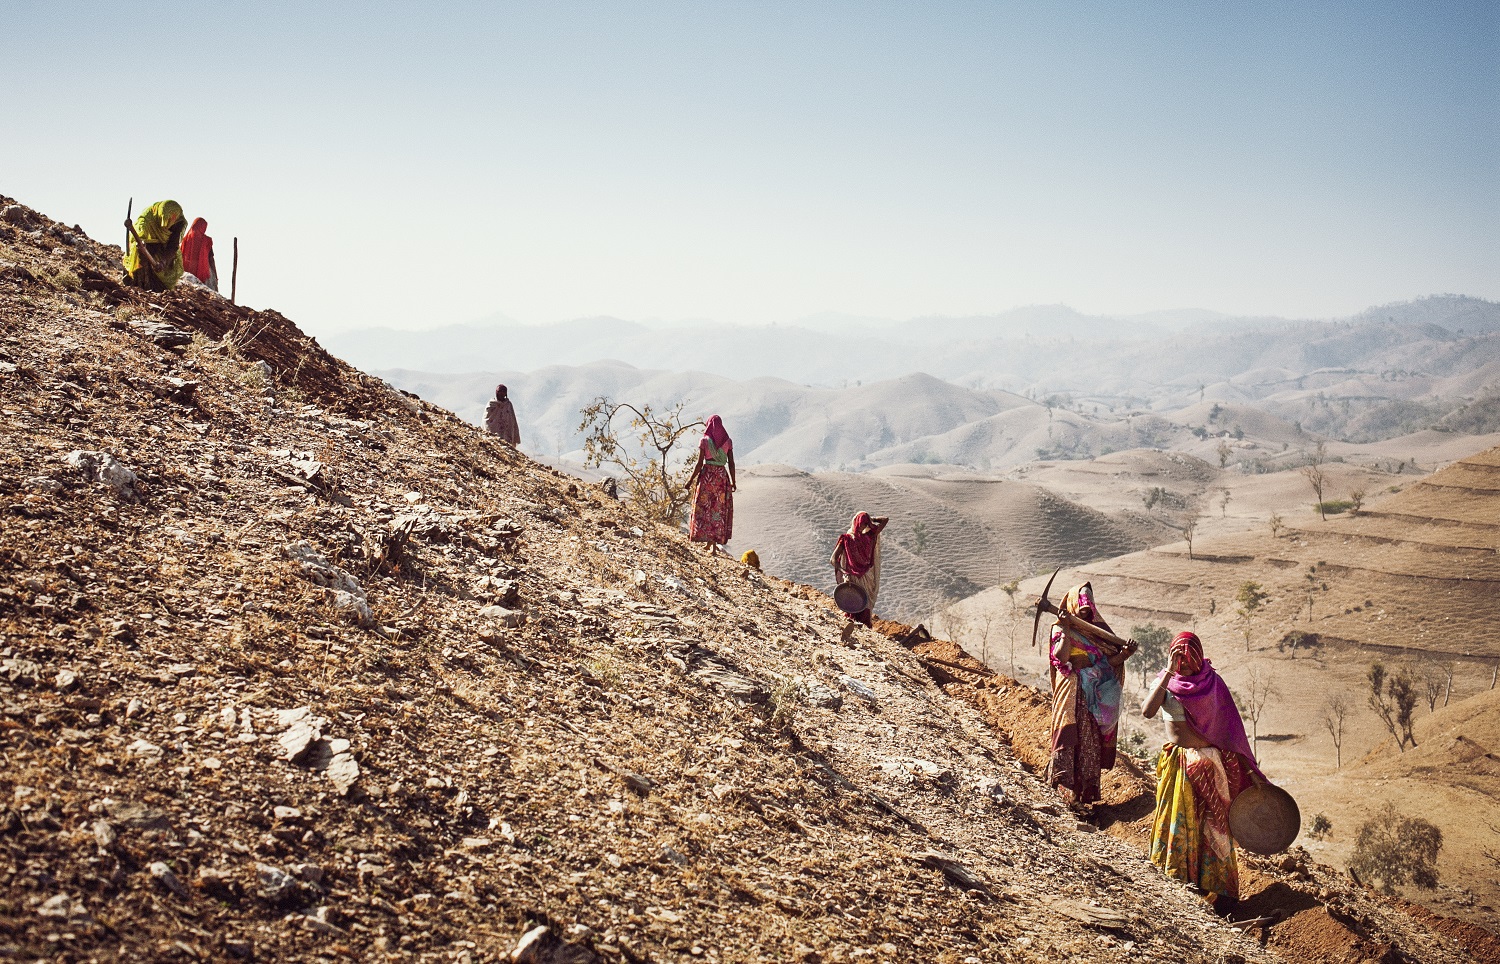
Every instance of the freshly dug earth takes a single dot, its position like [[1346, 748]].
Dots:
[[296, 667], [1314, 912]]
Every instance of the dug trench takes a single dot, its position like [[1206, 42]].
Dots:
[[297, 667], [1308, 911]]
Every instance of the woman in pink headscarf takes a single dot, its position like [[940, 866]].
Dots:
[[1206, 762], [712, 517], [856, 559]]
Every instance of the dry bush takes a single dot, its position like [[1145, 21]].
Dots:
[[1397, 850]]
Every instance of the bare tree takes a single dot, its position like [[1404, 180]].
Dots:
[[1276, 524], [657, 483], [955, 623], [1315, 476], [1224, 452], [985, 620], [1259, 692], [1190, 529], [1357, 500], [1335, 709], [1224, 504], [1010, 589], [1433, 681]]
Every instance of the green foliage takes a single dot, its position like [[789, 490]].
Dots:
[[919, 537], [1335, 506], [1393, 697], [1397, 850], [1155, 644], [1251, 597]]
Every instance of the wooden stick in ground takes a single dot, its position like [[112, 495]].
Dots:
[[129, 207], [234, 272], [140, 247]]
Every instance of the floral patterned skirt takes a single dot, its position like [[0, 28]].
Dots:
[[712, 518], [1190, 838]]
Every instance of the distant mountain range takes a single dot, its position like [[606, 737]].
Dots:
[[1131, 360], [1272, 388]]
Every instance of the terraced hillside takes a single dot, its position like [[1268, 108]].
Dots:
[[952, 532], [1412, 581]]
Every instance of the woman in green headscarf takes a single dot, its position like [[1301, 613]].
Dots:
[[160, 228]]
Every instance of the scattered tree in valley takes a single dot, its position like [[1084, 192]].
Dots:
[[1276, 524], [1394, 700], [1010, 589], [1224, 498], [919, 537], [1312, 585], [1224, 452], [1434, 678], [657, 483], [1155, 644], [1251, 597], [1190, 529], [1259, 691], [1357, 500], [1335, 710], [1396, 850], [1313, 472]]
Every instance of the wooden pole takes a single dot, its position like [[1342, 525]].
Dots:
[[130, 206], [234, 272]]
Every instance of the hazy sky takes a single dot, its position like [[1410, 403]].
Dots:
[[418, 164]]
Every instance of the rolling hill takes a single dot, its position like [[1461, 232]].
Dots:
[[1412, 581]]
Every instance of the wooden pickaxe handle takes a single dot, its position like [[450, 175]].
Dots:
[[1106, 639], [140, 247]]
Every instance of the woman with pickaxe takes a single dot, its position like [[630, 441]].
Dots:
[[154, 259]]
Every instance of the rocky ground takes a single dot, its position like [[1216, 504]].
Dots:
[[296, 667]]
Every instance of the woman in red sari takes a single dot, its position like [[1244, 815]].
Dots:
[[198, 254], [856, 559], [712, 516]]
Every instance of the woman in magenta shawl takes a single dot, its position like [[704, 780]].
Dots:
[[712, 516], [1206, 762], [856, 559]]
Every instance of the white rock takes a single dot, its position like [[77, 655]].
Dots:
[[298, 738], [63, 907], [167, 879], [342, 771], [146, 752], [857, 688], [529, 947], [103, 467], [509, 618]]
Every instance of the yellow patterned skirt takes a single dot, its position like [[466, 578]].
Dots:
[[1190, 838]]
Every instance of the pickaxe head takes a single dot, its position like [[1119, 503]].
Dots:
[[1043, 605]]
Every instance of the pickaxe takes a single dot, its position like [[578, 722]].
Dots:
[[140, 247], [1107, 641]]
